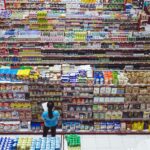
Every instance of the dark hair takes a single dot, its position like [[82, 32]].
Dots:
[[50, 106]]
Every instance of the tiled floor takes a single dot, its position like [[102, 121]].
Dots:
[[113, 142]]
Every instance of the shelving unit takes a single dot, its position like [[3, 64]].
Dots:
[[74, 42], [75, 100]]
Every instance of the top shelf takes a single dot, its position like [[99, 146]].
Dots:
[[60, 3], [103, 41], [63, 3]]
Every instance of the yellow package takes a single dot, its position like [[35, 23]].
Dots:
[[26, 72], [23, 73], [35, 77], [19, 73], [149, 127], [135, 126], [140, 126], [28, 105], [22, 105], [18, 105], [12, 105]]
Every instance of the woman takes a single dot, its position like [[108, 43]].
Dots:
[[50, 118]]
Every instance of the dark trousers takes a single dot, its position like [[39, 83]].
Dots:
[[46, 129]]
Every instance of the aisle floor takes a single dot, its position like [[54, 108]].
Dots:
[[115, 142], [109, 142]]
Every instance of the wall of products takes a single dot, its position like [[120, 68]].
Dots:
[[90, 98], [91, 57]]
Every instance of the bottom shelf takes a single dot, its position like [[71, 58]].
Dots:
[[79, 132]]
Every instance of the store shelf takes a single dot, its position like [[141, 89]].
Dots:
[[77, 119], [11, 119], [75, 56], [107, 132], [73, 104], [76, 91], [102, 22], [44, 95], [76, 84], [123, 119], [13, 92], [45, 90], [112, 95], [126, 102], [88, 97], [13, 100], [79, 132], [35, 8], [123, 50], [120, 95], [42, 101], [15, 109], [31, 83], [124, 110], [97, 41], [98, 120], [146, 63], [79, 111], [97, 49], [122, 85]]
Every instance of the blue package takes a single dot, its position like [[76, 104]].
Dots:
[[65, 80], [103, 125], [101, 77], [97, 77], [110, 125], [117, 125], [72, 76], [73, 80], [77, 126], [14, 75], [6, 74], [2, 75], [82, 73], [96, 74], [64, 126]]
